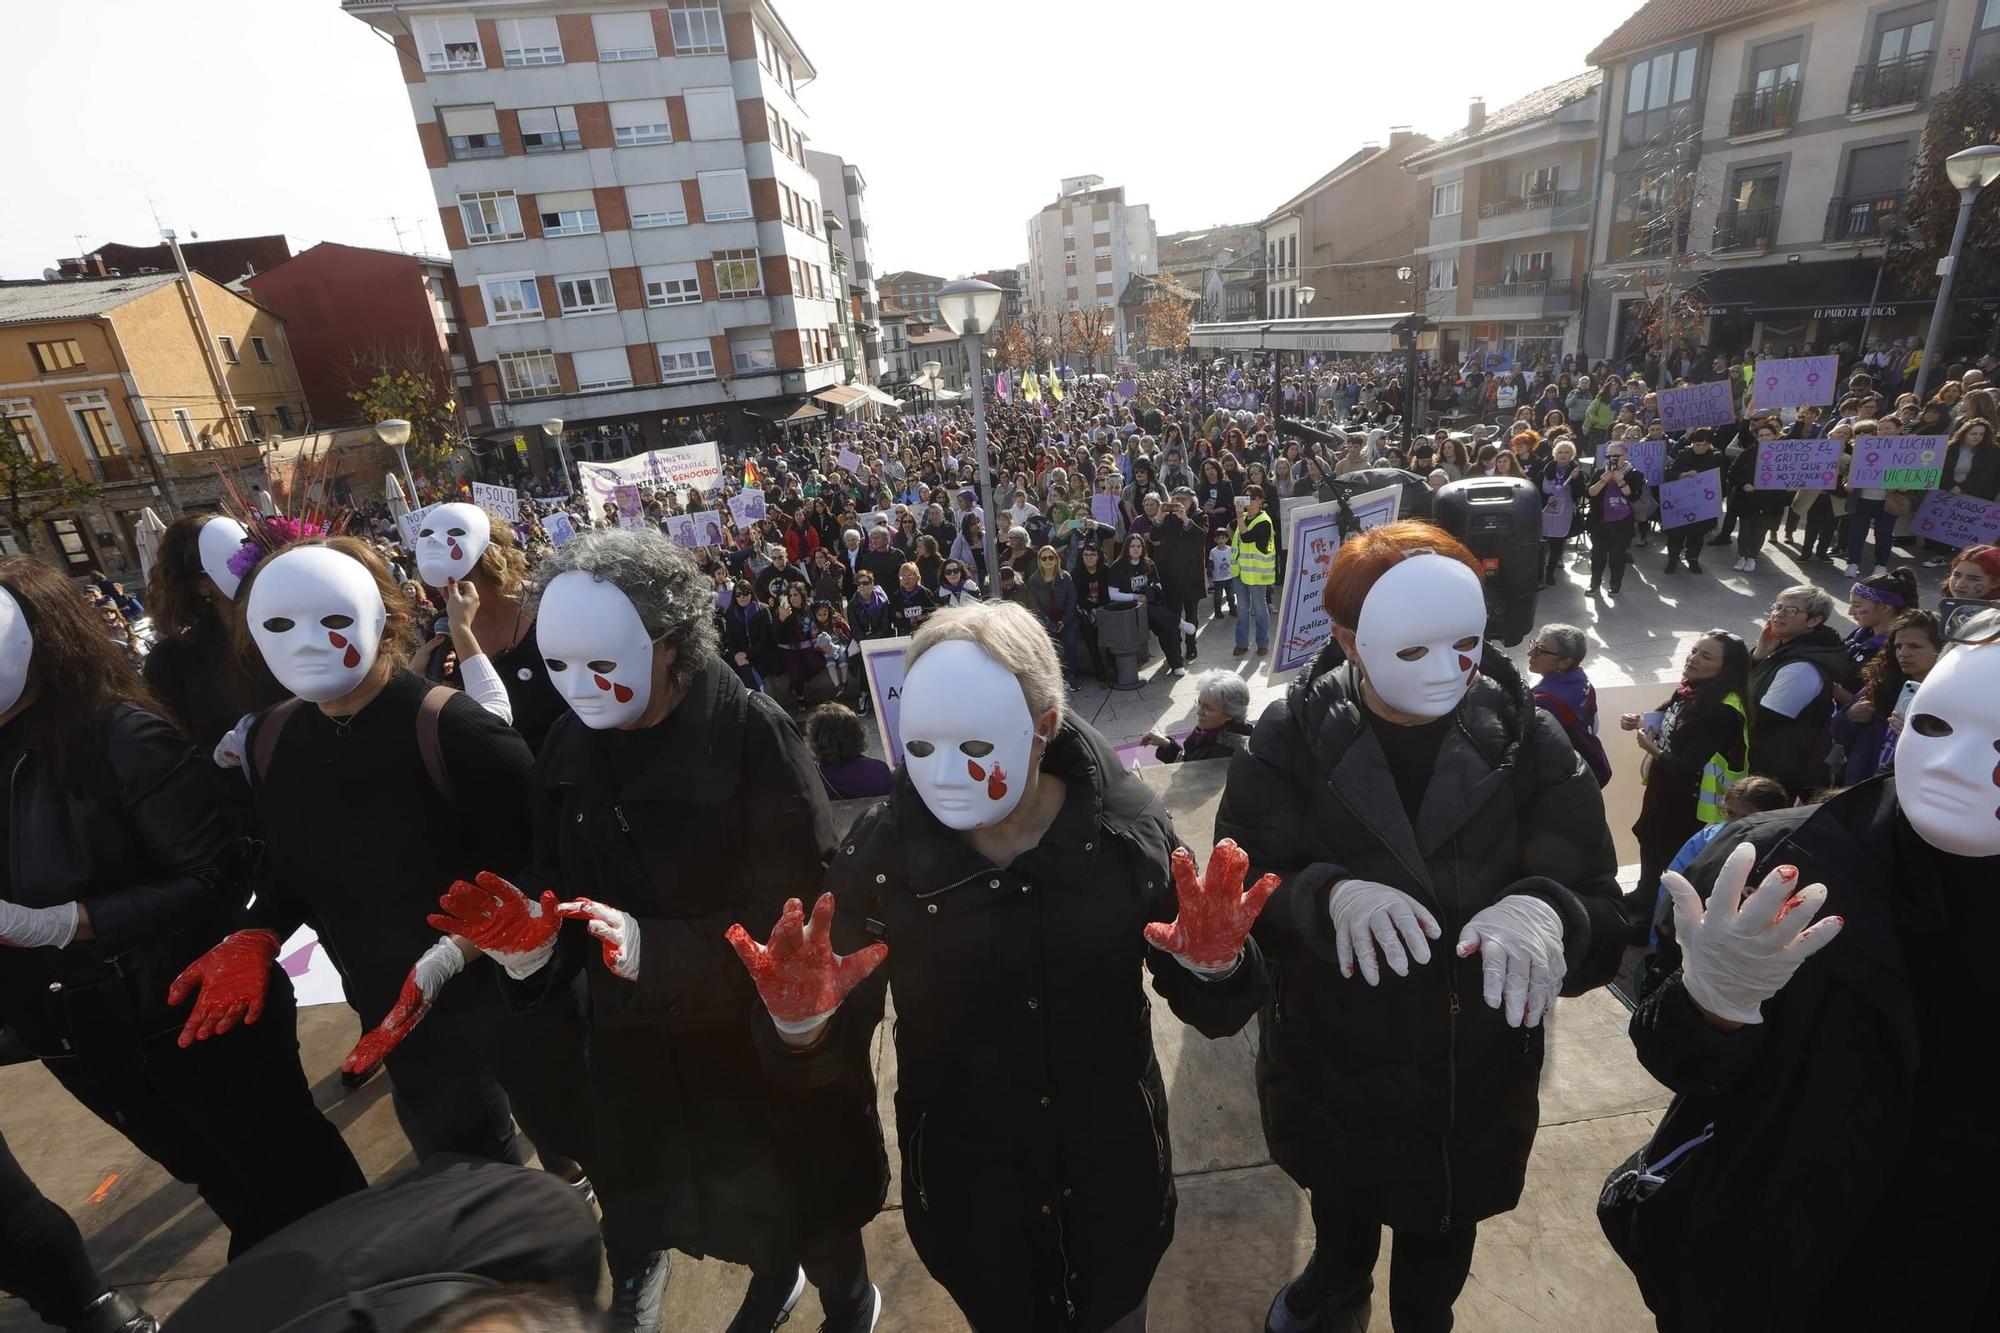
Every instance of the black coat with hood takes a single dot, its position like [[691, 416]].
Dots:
[[1412, 1098]]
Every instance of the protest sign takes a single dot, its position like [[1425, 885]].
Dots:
[[1312, 535], [1696, 405], [1899, 463], [502, 500], [847, 461], [883, 660], [696, 465], [1798, 465], [747, 507], [1650, 457], [681, 531], [559, 528], [1958, 520], [708, 529], [1798, 381], [631, 510], [409, 523], [1104, 508], [1691, 500]]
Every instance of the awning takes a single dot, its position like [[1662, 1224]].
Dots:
[[779, 415], [1828, 289], [1346, 333], [875, 395], [842, 396]]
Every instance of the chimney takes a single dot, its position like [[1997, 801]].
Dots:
[[1400, 135], [1475, 116]]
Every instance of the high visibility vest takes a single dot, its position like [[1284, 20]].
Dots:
[[1716, 775], [1253, 566]]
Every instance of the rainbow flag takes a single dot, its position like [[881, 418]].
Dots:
[[752, 479]]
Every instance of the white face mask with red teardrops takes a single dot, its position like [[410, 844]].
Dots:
[[317, 618], [597, 650]]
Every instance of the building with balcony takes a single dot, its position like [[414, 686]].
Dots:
[[1085, 246], [916, 293], [1769, 144], [111, 380], [1347, 233], [630, 209], [843, 191], [1502, 267]]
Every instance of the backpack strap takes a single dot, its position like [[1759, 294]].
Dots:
[[264, 738], [428, 743]]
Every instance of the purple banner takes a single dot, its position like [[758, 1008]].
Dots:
[[1104, 508], [1650, 457], [1696, 405], [1691, 500], [1898, 463], [1798, 465], [1958, 520], [1797, 381]]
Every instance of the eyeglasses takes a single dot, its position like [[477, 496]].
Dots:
[[1534, 648], [1785, 609]]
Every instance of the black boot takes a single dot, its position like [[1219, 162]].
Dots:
[[637, 1296], [1306, 1305], [114, 1312]]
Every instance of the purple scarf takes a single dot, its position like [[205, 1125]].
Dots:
[[1574, 689]]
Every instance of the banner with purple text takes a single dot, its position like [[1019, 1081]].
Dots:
[[1691, 500], [1899, 463], [1957, 520], [1696, 405], [1798, 465]]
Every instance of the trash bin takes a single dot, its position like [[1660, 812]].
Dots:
[[1121, 636], [1500, 521]]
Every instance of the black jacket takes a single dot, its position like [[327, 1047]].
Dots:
[[1037, 1169], [1793, 749], [1180, 548], [1413, 1097], [1685, 462], [1633, 484], [756, 638], [142, 844], [886, 564], [1984, 478]]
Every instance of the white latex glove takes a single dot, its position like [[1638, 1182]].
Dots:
[[1737, 953], [1520, 945], [439, 964], [37, 927], [615, 930], [1367, 915], [230, 749]]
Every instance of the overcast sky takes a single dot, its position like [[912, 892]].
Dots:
[[236, 117]]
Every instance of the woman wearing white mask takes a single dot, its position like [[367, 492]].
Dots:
[[673, 804], [1446, 873], [192, 597]]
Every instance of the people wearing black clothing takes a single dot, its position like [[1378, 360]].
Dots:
[[1180, 547], [911, 603], [869, 614], [1216, 496], [1561, 481], [1754, 507], [1135, 578], [1092, 578], [882, 559], [43, 1262], [1794, 667], [487, 616], [1609, 493], [1697, 456], [749, 638]]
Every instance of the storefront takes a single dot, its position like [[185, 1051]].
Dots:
[[1772, 308]]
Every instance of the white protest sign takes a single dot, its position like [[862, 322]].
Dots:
[[502, 500], [409, 523], [1313, 536], [883, 660], [559, 528]]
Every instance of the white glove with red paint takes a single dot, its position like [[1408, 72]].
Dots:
[[1737, 953], [617, 931], [1214, 913], [798, 975]]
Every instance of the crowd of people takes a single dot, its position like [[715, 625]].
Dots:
[[602, 896]]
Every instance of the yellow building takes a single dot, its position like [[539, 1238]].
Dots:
[[112, 380]]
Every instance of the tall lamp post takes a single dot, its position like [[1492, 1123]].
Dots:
[[971, 308], [553, 428], [1409, 275], [395, 432], [1971, 170]]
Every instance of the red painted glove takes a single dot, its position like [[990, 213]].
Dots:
[[796, 973], [439, 964], [501, 922], [232, 978], [1215, 913], [617, 931]]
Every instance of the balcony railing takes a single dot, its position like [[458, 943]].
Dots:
[[1529, 203], [1765, 109], [1746, 228], [1899, 82], [1862, 217], [1524, 287]]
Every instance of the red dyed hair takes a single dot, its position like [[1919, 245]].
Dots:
[[1367, 556], [1986, 557]]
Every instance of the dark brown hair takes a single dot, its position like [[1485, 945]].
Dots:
[[76, 674], [177, 593], [833, 734]]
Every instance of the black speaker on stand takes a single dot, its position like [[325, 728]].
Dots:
[[1500, 521]]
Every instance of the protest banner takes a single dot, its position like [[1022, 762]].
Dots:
[[502, 500], [696, 465], [1957, 520], [1650, 457], [1691, 499], [1104, 508], [1696, 405], [747, 507], [1898, 463], [1798, 465], [559, 528], [681, 531], [407, 525], [1312, 535], [1798, 381], [883, 660], [847, 461]]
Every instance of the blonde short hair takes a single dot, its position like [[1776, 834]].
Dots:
[[1009, 634]]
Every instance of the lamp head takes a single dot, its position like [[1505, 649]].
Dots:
[[969, 306], [395, 432], [552, 427], [1974, 168], [1405, 273], [1306, 295]]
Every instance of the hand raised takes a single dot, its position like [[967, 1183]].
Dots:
[[500, 921], [617, 931], [1214, 913], [796, 973], [231, 980], [1736, 954]]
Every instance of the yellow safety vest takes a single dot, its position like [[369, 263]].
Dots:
[[1716, 775], [1256, 568]]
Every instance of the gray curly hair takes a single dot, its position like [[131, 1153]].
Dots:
[[674, 599]]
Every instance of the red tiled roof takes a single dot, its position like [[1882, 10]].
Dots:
[[1663, 20]]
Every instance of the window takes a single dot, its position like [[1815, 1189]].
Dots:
[[624, 36], [228, 346], [738, 273], [253, 425], [1905, 34], [602, 368], [549, 129], [585, 294], [262, 349], [529, 374], [1986, 42], [750, 355], [451, 43], [1539, 181], [656, 205], [490, 215], [567, 213], [511, 297], [1101, 227], [1749, 211], [184, 424], [284, 417], [529, 42], [685, 361], [1530, 266], [634, 123], [1069, 233], [698, 31], [90, 413], [1444, 274], [61, 354], [671, 284], [1902, 55], [725, 195], [1447, 199], [1659, 95], [1639, 216], [24, 426], [1776, 63], [471, 132], [712, 113]]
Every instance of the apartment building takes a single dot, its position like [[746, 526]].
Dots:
[[843, 191], [630, 211], [913, 292], [1502, 269], [1347, 233], [1086, 246], [1797, 123], [112, 380]]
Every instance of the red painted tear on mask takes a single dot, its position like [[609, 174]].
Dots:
[[622, 693], [996, 786], [456, 554], [349, 659], [977, 773]]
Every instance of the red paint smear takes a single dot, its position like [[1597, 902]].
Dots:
[[978, 773], [103, 1191], [456, 554], [996, 786], [349, 659]]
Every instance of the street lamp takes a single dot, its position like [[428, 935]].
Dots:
[[1970, 170], [932, 369], [1405, 273], [553, 428], [971, 307], [395, 432]]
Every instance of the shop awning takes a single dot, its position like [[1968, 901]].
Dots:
[[1827, 289], [840, 397], [781, 415], [876, 396], [1345, 333]]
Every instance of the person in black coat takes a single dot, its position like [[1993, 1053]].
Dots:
[[1755, 508], [1180, 548], [1136, 579], [749, 638], [1383, 806], [1609, 493], [881, 558], [43, 1262], [1794, 666], [1693, 459]]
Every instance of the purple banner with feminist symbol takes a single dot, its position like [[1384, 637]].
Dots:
[[1958, 520], [1899, 463], [1650, 457], [1798, 381], [1691, 500], [1696, 405], [1798, 465]]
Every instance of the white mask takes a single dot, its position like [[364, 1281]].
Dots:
[[17, 647], [598, 652], [967, 735], [1419, 634], [450, 540], [318, 618], [220, 538], [1948, 759]]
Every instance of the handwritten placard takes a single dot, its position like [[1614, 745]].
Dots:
[[1690, 500], [502, 500], [1798, 381], [410, 522], [1798, 465], [1650, 457], [847, 461], [1312, 535], [1696, 405], [1104, 508], [1958, 520], [1901, 463]]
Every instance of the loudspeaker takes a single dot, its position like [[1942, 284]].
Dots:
[[1500, 521]]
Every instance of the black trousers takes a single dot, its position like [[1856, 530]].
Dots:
[[232, 1116], [1166, 624], [1610, 547], [1686, 541], [837, 1266], [1821, 524], [1427, 1269], [1552, 557], [42, 1259], [1185, 604], [1753, 529]]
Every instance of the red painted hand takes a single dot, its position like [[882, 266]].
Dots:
[[797, 973], [411, 1006], [232, 978], [500, 921], [1215, 913]]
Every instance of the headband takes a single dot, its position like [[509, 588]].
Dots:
[[1862, 592]]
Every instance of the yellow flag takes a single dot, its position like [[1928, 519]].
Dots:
[[1055, 384], [1031, 386]]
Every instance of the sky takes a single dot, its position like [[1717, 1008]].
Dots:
[[239, 117]]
